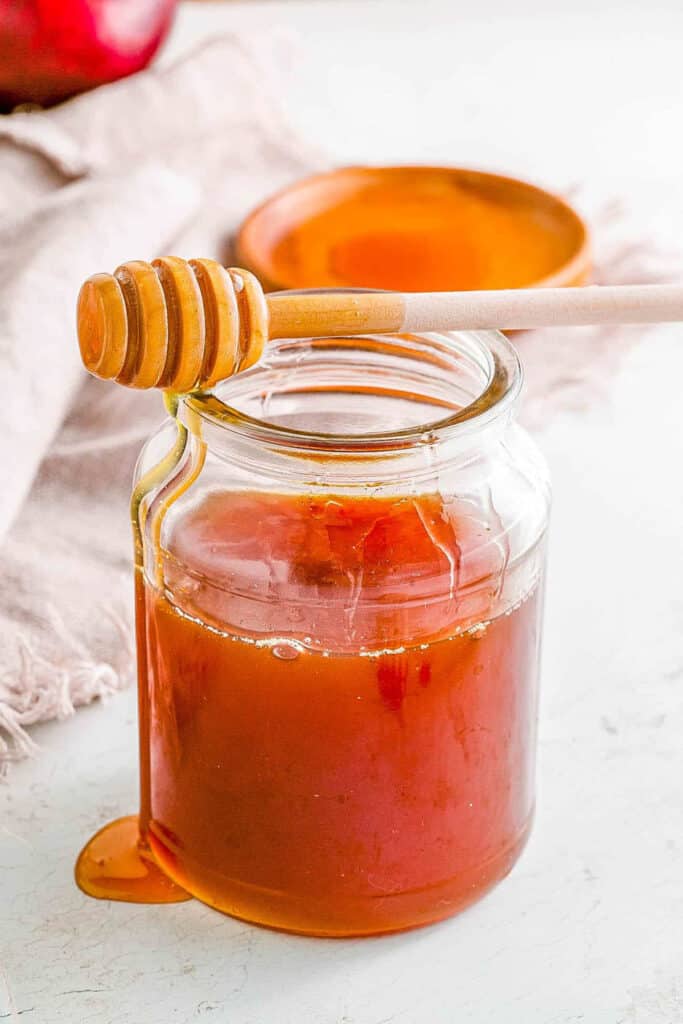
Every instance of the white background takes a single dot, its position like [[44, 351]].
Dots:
[[589, 927]]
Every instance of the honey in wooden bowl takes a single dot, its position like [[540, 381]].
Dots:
[[414, 229]]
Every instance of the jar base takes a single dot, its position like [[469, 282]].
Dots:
[[347, 917]]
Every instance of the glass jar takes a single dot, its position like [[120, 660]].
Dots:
[[341, 556]]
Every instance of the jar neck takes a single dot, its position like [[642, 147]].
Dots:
[[362, 411]]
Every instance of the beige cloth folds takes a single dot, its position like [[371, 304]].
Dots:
[[115, 174]]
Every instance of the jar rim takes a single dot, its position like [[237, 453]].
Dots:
[[497, 399]]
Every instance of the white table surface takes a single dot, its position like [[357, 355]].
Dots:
[[589, 926]]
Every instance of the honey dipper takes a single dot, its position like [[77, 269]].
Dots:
[[183, 325]]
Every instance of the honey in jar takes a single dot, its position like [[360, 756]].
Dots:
[[339, 599]]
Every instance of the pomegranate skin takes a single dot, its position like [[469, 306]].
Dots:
[[52, 49]]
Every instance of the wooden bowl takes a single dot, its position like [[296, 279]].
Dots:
[[414, 229]]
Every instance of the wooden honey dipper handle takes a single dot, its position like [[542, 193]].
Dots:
[[183, 325], [334, 314]]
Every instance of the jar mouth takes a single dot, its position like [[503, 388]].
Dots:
[[424, 388]]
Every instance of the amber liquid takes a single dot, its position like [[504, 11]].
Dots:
[[418, 231], [334, 740]]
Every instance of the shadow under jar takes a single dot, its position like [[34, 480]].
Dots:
[[339, 604]]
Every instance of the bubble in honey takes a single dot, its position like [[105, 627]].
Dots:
[[285, 651]]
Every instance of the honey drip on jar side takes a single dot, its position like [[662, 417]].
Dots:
[[117, 862]]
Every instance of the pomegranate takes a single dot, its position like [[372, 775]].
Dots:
[[53, 49]]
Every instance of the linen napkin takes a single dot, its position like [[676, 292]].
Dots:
[[115, 174]]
